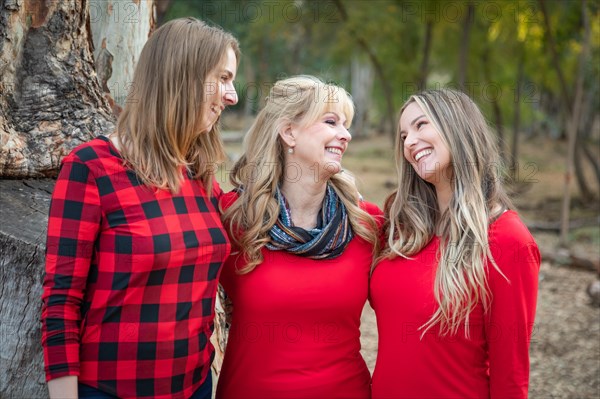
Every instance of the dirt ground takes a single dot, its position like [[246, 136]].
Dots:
[[565, 347]]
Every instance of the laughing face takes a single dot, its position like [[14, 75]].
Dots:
[[320, 146], [424, 148], [219, 91]]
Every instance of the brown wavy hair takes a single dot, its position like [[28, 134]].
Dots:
[[157, 130]]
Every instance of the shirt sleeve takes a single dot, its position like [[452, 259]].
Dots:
[[510, 320], [73, 225]]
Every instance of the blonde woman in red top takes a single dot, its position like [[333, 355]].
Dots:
[[303, 242], [455, 293]]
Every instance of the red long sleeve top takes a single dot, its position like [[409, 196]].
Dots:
[[295, 326], [130, 283], [494, 361]]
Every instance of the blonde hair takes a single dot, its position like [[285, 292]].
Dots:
[[478, 197], [300, 100], [158, 128]]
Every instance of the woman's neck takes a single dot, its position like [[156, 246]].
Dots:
[[305, 202]]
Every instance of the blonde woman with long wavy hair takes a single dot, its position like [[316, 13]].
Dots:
[[135, 241], [303, 245], [455, 289]]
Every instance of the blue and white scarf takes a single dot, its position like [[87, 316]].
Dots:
[[326, 241]]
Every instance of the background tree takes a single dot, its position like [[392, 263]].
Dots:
[[49, 104]]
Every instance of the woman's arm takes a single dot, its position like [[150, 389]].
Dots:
[[73, 224], [510, 320]]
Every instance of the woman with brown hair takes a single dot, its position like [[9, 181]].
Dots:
[[135, 242]]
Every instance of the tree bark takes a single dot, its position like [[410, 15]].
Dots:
[[514, 155], [551, 45], [51, 100], [362, 86], [578, 158], [583, 149], [119, 27], [487, 70], [424, 70], [464, 46], [23, 210], [573, 128]]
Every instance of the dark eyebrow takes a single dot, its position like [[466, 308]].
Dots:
[[228, 73], [413, 122]]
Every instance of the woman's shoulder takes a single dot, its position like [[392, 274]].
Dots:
[[371, 208], [509, 228], [509, 236], [228, 199], [92, 150]]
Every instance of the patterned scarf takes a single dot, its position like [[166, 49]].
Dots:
[[326, 241]]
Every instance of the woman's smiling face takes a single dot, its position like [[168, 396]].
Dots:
[[424, 147]]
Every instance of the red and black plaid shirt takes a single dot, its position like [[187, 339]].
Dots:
[[131, 276]]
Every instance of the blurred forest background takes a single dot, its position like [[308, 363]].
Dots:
[[532, 65]]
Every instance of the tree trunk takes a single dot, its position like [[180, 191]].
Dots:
[[362, 86], [487, 70], [23, 210], [551, 45], [119, 27], [578, 159], [424, 71], [252, 91], [589, 154], [514, 155], [583, 149], [573, 127], [51, 100], [464, 46]]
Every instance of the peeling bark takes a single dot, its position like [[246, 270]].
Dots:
[[51, 100], [120, 29]]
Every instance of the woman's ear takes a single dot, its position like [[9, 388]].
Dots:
[[286, 132]]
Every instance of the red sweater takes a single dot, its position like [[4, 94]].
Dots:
[[494, 361], [295, 328], [131, 276]]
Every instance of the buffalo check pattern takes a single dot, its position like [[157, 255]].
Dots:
[[131, 276]]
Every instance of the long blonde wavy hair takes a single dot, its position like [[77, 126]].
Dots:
[[413, 216], [158, 128], [300, 100]]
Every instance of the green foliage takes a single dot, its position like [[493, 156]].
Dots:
[[285, 37]]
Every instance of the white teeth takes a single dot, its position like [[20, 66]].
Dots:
[[421, 154], [334, 150]]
